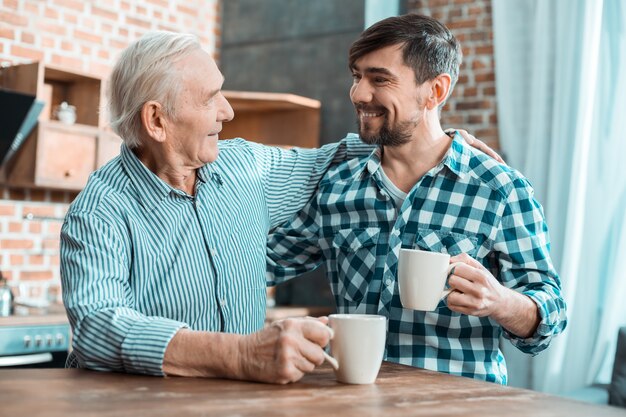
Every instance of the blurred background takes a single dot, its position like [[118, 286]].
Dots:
[[543, 82]]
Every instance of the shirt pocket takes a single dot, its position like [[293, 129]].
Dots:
[[448, 242], [356, 260]]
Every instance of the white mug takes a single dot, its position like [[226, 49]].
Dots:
[[422, 276], [357, 346]]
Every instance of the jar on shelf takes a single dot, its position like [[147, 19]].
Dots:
[[65, 113]]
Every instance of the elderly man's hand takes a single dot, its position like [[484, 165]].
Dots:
[[285, 351], [476, 143]]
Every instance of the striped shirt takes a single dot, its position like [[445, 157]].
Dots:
[[469, 204], [140, 259]]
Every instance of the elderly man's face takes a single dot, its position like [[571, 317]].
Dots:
[[200, 111], [387, 99]]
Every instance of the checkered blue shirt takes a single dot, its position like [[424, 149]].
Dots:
[[466, 204]]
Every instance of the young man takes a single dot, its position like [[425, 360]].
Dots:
[[424, 189]]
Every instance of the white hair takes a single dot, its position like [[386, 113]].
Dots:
[[145, 71]]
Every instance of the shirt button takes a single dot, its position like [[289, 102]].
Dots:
[[222, 302], [388, 282], [213, 252]]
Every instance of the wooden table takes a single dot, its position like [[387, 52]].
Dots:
[[399, 391]]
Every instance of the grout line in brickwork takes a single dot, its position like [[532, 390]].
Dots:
[[31, 216]]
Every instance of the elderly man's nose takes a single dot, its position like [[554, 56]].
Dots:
[[226, 112]]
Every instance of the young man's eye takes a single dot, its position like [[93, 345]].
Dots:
[[356, 77], [380, 80]]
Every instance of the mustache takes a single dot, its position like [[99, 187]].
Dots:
[[369, 108]]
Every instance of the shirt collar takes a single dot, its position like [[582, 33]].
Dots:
[[210, 172], [457, 160], [151, 189]]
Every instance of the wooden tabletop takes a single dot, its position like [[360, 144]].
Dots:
[[399, 391]]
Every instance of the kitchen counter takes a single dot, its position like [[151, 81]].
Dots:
[[283, 312], [55, 314], [399, 391], [28, 316]]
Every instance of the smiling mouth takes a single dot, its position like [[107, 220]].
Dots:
[[368, 112], [365, 114]]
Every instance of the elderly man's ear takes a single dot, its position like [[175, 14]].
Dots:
[[153, 120]]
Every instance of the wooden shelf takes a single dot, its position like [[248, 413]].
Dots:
[[273, 118], [53, 86], [57, 155]]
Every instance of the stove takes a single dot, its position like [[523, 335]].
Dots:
[[35, 338]]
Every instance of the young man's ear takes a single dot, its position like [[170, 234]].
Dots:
[[153, 120], [439, 90]]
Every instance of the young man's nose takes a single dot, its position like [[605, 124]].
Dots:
[[361, 92]]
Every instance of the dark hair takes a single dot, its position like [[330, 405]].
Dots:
[[428, 46]]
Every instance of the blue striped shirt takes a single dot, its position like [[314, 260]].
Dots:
[[466, 204], [141, 259]]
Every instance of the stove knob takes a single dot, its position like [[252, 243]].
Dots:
[[38, 341], [48, 340], [59, 339], [28, 341]]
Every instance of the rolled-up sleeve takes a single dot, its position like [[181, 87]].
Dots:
[[108, 333], [523, 246]]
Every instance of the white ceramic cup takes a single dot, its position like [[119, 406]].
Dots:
[[357, 346], [422, 276]]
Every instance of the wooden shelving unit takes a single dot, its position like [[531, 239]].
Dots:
[[59, 156], [274, 119], [56, 155]]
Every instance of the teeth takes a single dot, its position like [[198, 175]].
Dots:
[[364, 114]]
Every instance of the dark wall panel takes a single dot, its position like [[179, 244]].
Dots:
[[294, 46]]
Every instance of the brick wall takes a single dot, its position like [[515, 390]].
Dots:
[[472, 105], [85, 36]]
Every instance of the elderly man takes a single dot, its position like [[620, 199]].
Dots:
[[163, 253], [423, 189]]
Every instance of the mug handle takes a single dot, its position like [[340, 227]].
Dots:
[[332, 361], [445, 293]]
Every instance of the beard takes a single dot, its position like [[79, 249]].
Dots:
[[391, 136]]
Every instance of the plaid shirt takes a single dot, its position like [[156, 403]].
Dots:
[[468, 203]]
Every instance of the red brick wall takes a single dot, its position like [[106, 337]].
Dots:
[[85, 36], [472, 105]]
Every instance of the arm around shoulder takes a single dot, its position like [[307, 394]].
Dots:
[[291, 177]]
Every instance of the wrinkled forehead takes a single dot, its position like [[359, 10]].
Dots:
[[199, 72]]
